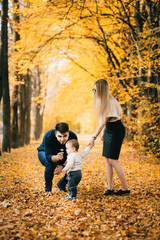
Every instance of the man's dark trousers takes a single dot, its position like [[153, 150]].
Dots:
[[49, 171]]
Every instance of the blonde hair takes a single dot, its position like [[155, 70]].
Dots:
[[102, 99], [74, 143]]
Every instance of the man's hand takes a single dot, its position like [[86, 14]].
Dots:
[[58, 170], [59, 156]]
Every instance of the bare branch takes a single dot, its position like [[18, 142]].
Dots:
[[80, 66]]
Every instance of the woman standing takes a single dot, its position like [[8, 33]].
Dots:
[[109, 111]]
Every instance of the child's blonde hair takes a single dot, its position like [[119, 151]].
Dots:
[[74, 143]]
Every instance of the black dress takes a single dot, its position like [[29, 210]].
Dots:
[[112, 139]]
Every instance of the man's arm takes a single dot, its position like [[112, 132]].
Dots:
[[49, 146]]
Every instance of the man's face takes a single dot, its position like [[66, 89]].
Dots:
[[62, 137]]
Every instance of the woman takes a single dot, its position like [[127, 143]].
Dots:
[[109, 111]]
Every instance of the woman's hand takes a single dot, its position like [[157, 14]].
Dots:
[[102, 137], [91, 142], [100, 128]]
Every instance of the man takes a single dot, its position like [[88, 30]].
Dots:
[[52, 154]]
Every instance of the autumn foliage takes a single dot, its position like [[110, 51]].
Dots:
[[27, 212], [58, 49]]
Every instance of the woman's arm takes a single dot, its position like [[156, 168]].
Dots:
[[102, 133], [99, 129]]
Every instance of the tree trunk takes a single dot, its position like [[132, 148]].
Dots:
[[14, 126], [39, 113], [1, 93], [1, 82], [27, 107], [22, 115], [38, 106], [6, 97], [152, 11]]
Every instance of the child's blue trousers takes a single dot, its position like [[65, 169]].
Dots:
[[73, 180]]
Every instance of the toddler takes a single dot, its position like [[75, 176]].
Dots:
[[74, 166]]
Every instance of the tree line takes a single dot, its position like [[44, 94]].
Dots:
[[126, 39]]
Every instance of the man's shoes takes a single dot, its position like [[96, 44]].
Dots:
[[61, 188], [122, 192], [109, 192], [70, 198]]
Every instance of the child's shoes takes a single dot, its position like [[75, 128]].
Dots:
[[70, 198]]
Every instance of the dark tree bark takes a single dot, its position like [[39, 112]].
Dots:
[[1, 82], [39, 106], [1, 93], [137, 15], [38, 103], [6, 97], [22, 115], [15, 97], [14, 126], [27, 107], [21, 99]]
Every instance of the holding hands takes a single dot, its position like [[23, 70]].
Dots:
[[91, 142], [100, 128]]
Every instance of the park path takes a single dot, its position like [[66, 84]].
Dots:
[[27, 212]]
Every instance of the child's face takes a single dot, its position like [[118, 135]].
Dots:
[[69, 148]]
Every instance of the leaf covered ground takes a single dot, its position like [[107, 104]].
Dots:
[[27, 212]]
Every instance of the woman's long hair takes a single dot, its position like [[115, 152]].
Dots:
[[102, 100]]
